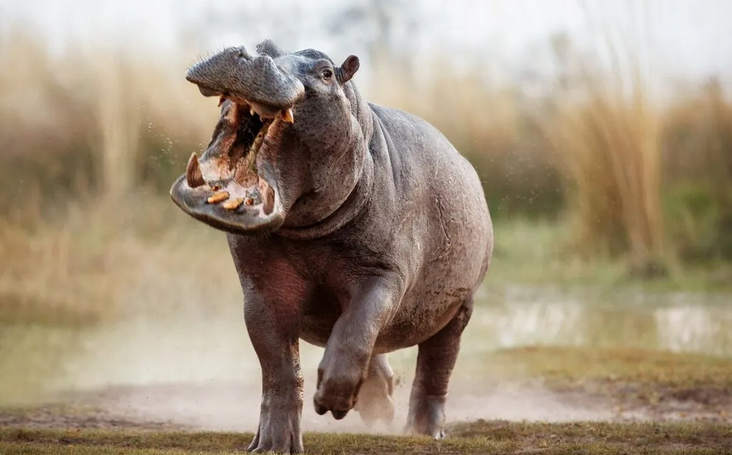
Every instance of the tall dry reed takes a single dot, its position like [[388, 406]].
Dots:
[[697, 147], [609, 147], [605, 127]]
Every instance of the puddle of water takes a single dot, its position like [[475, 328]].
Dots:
[[673, 322]]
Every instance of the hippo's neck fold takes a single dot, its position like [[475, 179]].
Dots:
[[346, 212], [355, 201]]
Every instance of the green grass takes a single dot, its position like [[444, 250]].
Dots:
[[536, 252], [657, 383], [475, 438], [564, 364]]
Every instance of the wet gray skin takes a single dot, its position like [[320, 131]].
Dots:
[[356, 227]]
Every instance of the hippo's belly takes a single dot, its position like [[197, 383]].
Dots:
[[318, 315], [420, 316], [457, 244], [316, 330]]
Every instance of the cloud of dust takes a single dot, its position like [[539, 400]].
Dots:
[[198, 369]]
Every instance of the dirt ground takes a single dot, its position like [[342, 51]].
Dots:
[[152, 421], [232, 407]]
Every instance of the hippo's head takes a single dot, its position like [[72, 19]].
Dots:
[[282, 153]]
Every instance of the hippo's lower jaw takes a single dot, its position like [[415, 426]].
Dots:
[[226, 191], [238, 209]]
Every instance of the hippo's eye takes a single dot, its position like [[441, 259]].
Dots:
[[327, 74]]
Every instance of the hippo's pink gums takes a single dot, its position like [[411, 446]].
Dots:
[[352, 226]]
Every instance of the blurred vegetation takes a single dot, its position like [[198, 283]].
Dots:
[[697, 146], [91, 140]]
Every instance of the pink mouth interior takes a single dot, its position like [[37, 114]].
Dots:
[[230, 179]]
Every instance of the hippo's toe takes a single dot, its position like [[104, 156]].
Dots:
[[426, 415]]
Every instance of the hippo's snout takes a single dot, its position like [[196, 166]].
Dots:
[[234, 74]]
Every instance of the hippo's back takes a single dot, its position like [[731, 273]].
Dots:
[[446, 222]]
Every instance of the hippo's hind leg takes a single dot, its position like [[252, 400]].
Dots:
[[435, 361], [374, 398]]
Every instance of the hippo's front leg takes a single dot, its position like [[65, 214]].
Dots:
[[366, 310], [272, 323]]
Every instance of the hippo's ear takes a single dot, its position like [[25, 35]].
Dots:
[[268, 47], [346, 71]]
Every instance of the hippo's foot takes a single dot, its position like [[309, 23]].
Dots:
[[338, 384], [374, 398], [279, 429], [426, 415]]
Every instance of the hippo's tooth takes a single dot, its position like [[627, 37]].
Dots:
[[194, 178], [233, 204], [218, 197], [232, 115], [288, 116], [251, 111], [272, 127]]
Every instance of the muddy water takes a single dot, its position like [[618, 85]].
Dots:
[[677, 322], [196, 366]]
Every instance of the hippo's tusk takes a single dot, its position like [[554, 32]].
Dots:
[[288, 116], [222, 98], [218, 197], [194, 178], [233, 114]]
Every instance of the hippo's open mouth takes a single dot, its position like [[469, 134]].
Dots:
[[225, 189]]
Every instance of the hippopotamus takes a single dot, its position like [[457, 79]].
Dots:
[[352, 226]]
